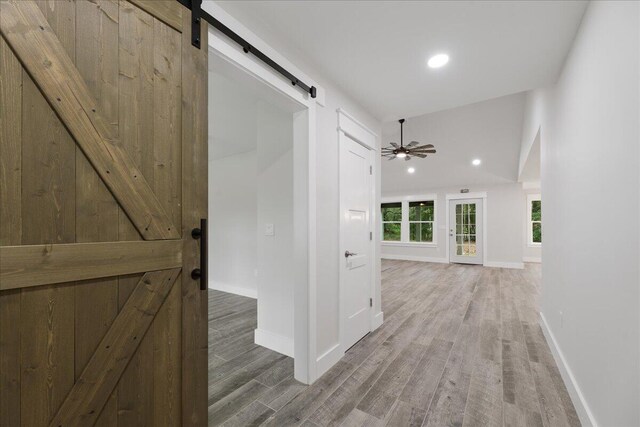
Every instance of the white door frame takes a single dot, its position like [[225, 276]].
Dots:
[[304, 192], [349, 127], [465, 196]]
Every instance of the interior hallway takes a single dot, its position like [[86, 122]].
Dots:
[[460, 345]]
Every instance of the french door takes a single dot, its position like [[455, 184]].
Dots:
[[466, 231], [103, 172]]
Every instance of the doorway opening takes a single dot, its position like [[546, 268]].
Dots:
[[258, 226]]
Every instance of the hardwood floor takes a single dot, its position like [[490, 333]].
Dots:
[[460, 345]]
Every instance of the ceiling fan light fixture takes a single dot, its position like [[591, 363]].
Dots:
[[437, 61], [401, 155]]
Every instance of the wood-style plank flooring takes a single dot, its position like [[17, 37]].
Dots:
[[460, 346]]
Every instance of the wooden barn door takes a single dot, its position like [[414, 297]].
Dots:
[[103, 176]]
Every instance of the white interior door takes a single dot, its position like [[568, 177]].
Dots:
[[356, 187], [466, 231]]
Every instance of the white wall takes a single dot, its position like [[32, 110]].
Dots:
[[504, 234], [233, 216], [251, 185], [275, 206], [590, 157]]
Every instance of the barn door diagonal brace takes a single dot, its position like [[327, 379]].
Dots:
[[197, 14]]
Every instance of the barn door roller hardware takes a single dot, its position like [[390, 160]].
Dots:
[[197, 14]]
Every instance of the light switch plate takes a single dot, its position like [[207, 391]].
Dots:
[[269, 230]]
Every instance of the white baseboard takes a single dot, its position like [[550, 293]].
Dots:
[[531, 259], [232, 289], [328, 359], [377, 321], [500, 264], [275, 342], [578, 399], [414, 258]]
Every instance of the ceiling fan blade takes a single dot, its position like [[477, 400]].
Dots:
[[392, 157], [424, 146], [407, 158], [412, 143], [394, 144], [422, 156], [388, 149], [424, 151]]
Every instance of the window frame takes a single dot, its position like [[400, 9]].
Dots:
[[433, 222], [383, 222], [533, 197], [405, 225]]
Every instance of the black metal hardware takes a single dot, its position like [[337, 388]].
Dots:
[[195, 22], [197, 14], [201, 273], [196, 233]]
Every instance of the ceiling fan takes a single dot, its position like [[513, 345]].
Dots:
[[412, 149]]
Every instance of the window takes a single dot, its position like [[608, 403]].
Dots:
[[534, 212], [391, 222], [421, 218], [410, 222]]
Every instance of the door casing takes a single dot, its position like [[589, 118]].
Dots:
[[351, 129], [304, 194]]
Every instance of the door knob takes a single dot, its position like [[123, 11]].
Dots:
[[347, 254]]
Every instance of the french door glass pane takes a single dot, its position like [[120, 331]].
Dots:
[[466, 229]]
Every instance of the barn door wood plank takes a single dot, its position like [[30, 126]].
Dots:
[[41, 53], [136, 82], [167, 184], [26, 266], [10, 228], [10, 146], [167, 11], [91, 391], [48, 217], [194, 207], [97, 212]]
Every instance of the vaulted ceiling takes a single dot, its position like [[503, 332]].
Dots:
[[489, 131], [376, 51]]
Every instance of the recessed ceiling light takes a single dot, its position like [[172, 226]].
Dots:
[[476, 162], [411, 170], [439, 60]]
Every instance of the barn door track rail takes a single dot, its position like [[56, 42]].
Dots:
[[197, 14]]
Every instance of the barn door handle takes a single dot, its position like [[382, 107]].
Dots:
[[201, 273]]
